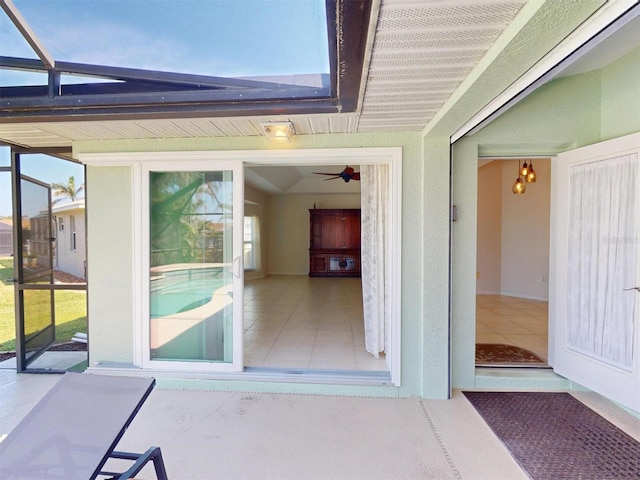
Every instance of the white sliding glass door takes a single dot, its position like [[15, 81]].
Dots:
[[194, 278]]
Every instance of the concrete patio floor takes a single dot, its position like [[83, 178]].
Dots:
[[231, 435]]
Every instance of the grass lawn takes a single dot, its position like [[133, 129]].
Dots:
[[71, 310]]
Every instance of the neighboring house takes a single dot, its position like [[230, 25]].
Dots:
[[6, 239], [70, 255], [433, 167]]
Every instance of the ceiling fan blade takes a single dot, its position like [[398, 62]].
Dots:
[[320, 173]]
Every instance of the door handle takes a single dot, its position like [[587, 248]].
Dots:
[[236, 267], [632, 288]]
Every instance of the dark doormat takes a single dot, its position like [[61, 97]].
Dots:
[[553, 436], [500, 354]]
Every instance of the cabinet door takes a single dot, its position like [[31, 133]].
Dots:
[[319, 264], [351, 263], [335, 263], [331, 230], [316, 230], [351, 231]]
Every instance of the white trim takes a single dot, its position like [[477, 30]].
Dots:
[[551, 63], [317, 156], [137, 253], [202, 161], [384, 155]]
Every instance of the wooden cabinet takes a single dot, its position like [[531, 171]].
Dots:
[[334, 239]]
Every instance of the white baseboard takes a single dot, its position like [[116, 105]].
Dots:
[[528, 297]]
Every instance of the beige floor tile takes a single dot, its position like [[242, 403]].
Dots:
[[334, 338], [514, 321], [290, 352], [262, 336], [339, 326], [491, 338], [319, 312], [302, 337]]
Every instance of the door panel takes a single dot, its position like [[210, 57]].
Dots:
[[596, 256], [38, 326], [195, 269], [34, 297]]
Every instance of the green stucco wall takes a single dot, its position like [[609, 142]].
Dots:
[[109, 268], [620, 93], [564, 114], [110, 250]]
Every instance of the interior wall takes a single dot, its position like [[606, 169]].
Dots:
[[288, 228], [619, 94], [525, 234], [489, 258]]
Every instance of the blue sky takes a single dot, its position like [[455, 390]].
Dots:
[[210, 37]]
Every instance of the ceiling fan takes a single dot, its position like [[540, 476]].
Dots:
[[347, 174]]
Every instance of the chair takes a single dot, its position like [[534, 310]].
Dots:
[[73, 430]]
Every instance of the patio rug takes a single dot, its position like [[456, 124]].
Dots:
[[553, 436], [500, 354]]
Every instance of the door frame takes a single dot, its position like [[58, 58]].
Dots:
[[14, 172], [203, 163], [391, 156], [22, 362]]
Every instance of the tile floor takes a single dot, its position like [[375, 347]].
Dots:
[[307, 323], [513, 321]]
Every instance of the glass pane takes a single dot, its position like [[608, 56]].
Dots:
[[66, 178], [36, 225], [191, 278], [38, 320], [350, 264], [335, 263], [68, 212], [249, 257], [6, 216]]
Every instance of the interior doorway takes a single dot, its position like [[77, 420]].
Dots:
[[292, 321], [512, 273]]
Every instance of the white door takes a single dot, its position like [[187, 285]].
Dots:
[[194, 282], [595, 252]]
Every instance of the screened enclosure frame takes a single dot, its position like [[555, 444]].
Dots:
[[135, 93]]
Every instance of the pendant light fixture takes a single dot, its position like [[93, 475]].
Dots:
[[531, 174], [519, 187], [524, 171]]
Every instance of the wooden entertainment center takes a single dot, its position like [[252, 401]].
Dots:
[[334, 249]]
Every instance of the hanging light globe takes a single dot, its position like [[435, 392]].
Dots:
[[519, 187], [531, 175], [524, 171]]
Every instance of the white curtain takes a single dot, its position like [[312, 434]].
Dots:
[[604, 224], [374, 185]]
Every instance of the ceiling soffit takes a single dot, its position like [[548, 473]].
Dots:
[[421, 53]]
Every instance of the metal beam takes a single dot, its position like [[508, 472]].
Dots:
[[28, 34], [184, 110]]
